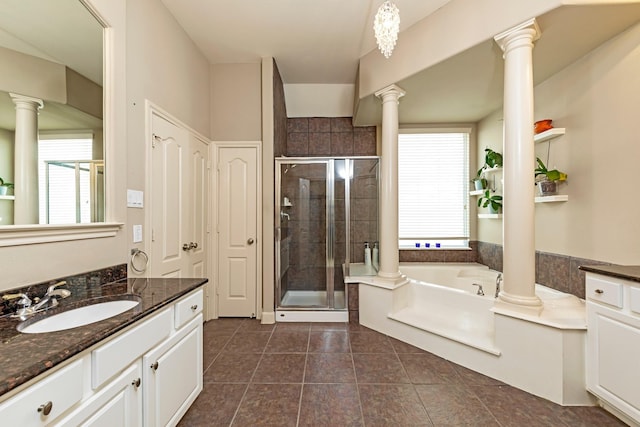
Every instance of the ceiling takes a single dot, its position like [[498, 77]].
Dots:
[[313, 41]]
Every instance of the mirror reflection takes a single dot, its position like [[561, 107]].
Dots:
[[51, 113]]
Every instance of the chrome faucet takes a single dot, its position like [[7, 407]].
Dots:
[[24, 307], [50, 296], [24, 304], [498, 283], [480, 290]]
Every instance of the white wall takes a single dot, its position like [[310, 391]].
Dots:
[[319, 100], [596, 100], [236, 102], [162, 65]]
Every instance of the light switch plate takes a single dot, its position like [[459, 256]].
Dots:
[[137, 233], [135, 199]]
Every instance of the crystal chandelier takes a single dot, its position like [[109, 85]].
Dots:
[[386, 26]]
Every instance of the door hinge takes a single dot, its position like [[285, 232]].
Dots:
[[153, 235]]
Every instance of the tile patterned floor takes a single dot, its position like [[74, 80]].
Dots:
[[308, 374]]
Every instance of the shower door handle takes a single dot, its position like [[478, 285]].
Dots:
[[250, 241]]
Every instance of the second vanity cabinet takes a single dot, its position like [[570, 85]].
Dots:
[[613, 344], [147, 375]]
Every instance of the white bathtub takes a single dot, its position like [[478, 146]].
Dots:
[[438, 310], [560, 310]]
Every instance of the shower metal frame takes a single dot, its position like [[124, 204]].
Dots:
[[329, 226]]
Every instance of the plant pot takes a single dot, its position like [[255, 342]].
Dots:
[[3, 190], [547, 188], [480, 183], [494, 211]]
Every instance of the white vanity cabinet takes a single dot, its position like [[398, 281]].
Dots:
[[613, 344], [148, 375]]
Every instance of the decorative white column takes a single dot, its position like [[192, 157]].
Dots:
[[518, 227], [25, 207], [389, 271]]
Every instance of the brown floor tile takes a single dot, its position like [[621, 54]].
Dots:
[[254, 325], [515, 408], [212, 346], [269, 404], [330, 405], [329, 368], [454, 405], [369, 342], [215, 406], [288, 341], [356, 327], [379, 368], [223, 325], [392, 405], [329, 342], [587, 416], [329, 326], [470, 377], [232, 367], [403, 347], [426, 368], [247, 342], [293, 326], [280, 368]]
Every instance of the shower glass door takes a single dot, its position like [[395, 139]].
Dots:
[[305, 234]]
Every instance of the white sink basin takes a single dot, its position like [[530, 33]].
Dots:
[[77, 317]]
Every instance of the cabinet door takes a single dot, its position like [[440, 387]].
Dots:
[[173, 376], [119, 403], [613, 367]]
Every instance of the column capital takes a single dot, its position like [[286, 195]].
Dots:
[[390, 92], [22, 99], [528, 30]]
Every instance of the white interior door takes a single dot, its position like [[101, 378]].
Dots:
[[237, 231], [169, 224], [179, 201], [198, 187]]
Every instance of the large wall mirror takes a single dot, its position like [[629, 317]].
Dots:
[[51, 113]]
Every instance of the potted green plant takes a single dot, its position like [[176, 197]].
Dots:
[[4, 187], [492, 201], [492, 159], [547, 180]]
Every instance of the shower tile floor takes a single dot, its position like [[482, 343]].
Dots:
[[343, 374]]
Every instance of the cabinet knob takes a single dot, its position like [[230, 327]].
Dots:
[[154, 366], [46, 408], [185, 247], [194, 307], [136, 383], [250, 241], [599, 291]]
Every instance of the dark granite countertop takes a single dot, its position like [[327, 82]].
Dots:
[[25, 356], [628, 272]]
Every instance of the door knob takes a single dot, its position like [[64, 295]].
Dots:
[[250, 241]]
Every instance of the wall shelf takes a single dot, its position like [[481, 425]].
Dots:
[[489, 216], [551, 199], [477, 192], [493, 169], [7, 197], [548, 134]]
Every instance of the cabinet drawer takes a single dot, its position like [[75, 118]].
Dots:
[[62, 388], [118, 353], [634, 297], [604, 291], [188, 308]]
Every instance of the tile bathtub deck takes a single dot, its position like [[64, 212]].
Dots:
[[308, 374]]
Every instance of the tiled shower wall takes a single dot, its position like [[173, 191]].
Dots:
[[329, 137], [337, 137]]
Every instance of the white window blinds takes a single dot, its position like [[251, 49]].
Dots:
[[433, 172]]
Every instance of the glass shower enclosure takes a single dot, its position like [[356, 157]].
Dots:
[[326, 209]]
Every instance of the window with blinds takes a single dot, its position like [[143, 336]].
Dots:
[[63, 182], [433, 188]]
